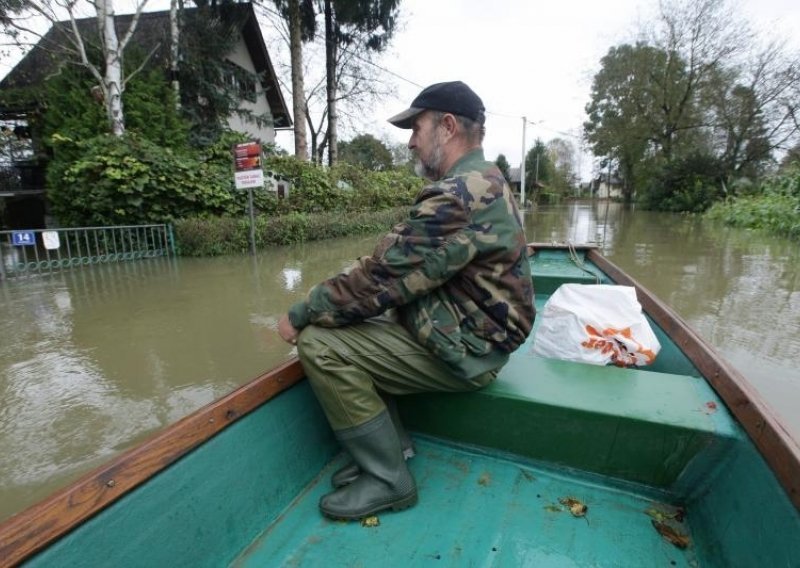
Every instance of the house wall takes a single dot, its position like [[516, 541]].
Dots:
[[241, 57], [604, 193]]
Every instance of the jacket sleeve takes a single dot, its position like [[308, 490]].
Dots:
[[415, 258]]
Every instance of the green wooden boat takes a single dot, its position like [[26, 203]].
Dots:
[[555, 464]]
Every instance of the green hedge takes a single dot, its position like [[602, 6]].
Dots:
[[211, 236], [110, 180], [107, 180]]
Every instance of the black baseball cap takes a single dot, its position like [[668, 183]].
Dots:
[[454, 97]]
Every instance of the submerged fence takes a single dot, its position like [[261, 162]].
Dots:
[[47, 250]]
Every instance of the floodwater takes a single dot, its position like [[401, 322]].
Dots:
[[96, 359]]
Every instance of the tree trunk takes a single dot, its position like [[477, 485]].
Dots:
[[112, 77], [298, 95], [330, 71], [174, 51], [627, 182]]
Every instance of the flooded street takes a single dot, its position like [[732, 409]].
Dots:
[[95, 359]]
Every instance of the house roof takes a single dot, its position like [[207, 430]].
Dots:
[[603, 179], [47, 57]]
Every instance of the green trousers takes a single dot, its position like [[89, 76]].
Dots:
[[347, 366]]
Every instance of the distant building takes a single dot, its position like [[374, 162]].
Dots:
[[22, 180], [516, 186], [603, 189], [513, 174]]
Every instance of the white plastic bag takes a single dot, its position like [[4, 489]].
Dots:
[[595, 324]]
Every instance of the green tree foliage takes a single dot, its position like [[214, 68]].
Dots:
[[699, 85], [211, 87], [366, 151], [631, 111], [131, 180], [741, 125], [562, 156], [538, 169], [690, 183], [502, 164], [72, 111]]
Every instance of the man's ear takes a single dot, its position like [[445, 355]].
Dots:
[[449, 124]]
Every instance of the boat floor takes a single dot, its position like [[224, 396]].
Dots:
[[476, 509]]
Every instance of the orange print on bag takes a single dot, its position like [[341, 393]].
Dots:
[[617, 343]]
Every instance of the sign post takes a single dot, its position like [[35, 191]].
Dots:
[[247, 175]]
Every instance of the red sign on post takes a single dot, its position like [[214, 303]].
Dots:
[[247, 165]]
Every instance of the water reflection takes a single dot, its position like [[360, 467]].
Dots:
[[93, 360]]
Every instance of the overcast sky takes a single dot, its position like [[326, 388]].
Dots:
[[535, 59], [522, 57]]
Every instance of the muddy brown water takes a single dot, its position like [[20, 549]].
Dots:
[[94, 360]]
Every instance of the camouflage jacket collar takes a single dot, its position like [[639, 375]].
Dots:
[[471, 161]]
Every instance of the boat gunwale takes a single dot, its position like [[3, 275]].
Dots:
[[760, 422], [32, 530]]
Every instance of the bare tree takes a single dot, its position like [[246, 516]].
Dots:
[[298, 108], [358, 83], [62, 16], [174, 48], [295, 20], [698, 37], [755, 107]]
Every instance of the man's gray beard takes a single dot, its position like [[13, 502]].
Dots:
[[432, 168]]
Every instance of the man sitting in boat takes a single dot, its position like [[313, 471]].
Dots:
[[444, 299]]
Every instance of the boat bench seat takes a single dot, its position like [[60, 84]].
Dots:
[[633, 424]]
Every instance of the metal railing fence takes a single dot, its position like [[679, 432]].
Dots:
[[38, 251]]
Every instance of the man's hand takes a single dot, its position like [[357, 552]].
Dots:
[[286, 330]]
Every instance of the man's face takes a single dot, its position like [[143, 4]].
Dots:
[[426, 145]]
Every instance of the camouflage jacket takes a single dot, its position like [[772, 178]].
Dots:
[[456, 270]]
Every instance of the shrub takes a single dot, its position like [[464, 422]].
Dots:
[[776, 209], [312, 189], [690, 184], [130, 180], [210, 236]]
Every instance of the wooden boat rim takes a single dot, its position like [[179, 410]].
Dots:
[[770, 436], [31, 530]]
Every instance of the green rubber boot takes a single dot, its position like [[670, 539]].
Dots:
[[384, 481], [350, 471]]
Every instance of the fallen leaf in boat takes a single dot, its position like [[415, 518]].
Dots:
[[577, 508], [673, 536], [484, 479], [711, 407], [370, 522], [661, 516], [657, 515]]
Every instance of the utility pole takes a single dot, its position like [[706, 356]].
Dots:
[[522, 166]]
